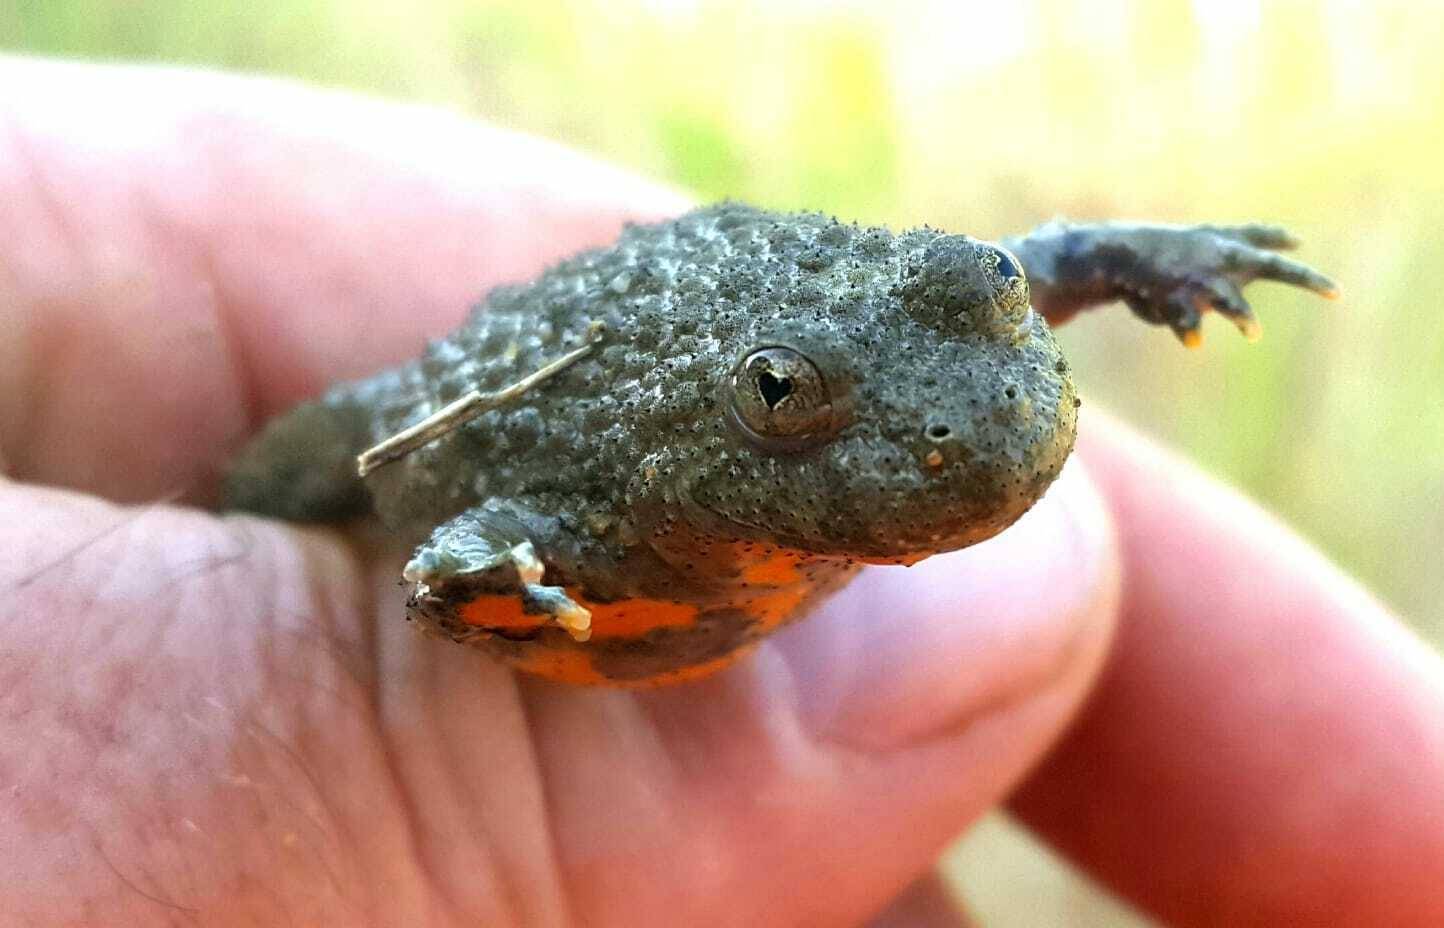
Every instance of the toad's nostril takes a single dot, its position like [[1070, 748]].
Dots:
[[939, 431]]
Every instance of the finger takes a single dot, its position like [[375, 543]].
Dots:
[[195, 682], [197, 252], [223, 670], [811, 783], [1264, 265], [1257, 234], [1267, 744]]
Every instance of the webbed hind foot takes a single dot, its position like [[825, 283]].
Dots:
[[1168, 275]]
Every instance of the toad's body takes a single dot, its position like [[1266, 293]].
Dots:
[[773, 398]]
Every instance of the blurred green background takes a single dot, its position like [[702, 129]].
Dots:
[[989, 118]]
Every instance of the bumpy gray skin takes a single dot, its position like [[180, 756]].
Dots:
[[942, 411], [640, 433]]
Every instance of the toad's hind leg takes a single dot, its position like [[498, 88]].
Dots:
[[1168, 275], [302, 466]]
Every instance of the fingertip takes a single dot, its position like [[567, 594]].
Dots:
[[907, 655]]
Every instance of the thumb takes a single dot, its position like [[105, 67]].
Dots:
[[941, 685], [910, 655], [827, 773]]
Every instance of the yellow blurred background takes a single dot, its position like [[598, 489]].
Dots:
[[988, 118]]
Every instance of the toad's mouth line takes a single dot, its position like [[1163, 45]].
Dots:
[[906, 538], [878, 551]]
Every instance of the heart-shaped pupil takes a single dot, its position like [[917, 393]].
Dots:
[[774, 389]]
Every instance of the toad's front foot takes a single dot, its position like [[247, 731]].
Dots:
[[468, 582], [1168, 275]]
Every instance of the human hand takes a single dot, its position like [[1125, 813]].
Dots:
[[225, 720]]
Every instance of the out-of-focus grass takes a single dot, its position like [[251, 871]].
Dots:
[[988, 118]]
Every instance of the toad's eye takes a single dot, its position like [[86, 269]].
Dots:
[[780, 398], [960, 283], [1003, 263], [1005, 276]]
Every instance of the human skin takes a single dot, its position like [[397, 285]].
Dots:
[[222, 720]]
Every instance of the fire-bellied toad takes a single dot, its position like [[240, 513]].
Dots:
[[685, 437]]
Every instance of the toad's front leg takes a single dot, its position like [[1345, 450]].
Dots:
[[480, 574], [1168, 275], [547, 597]]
